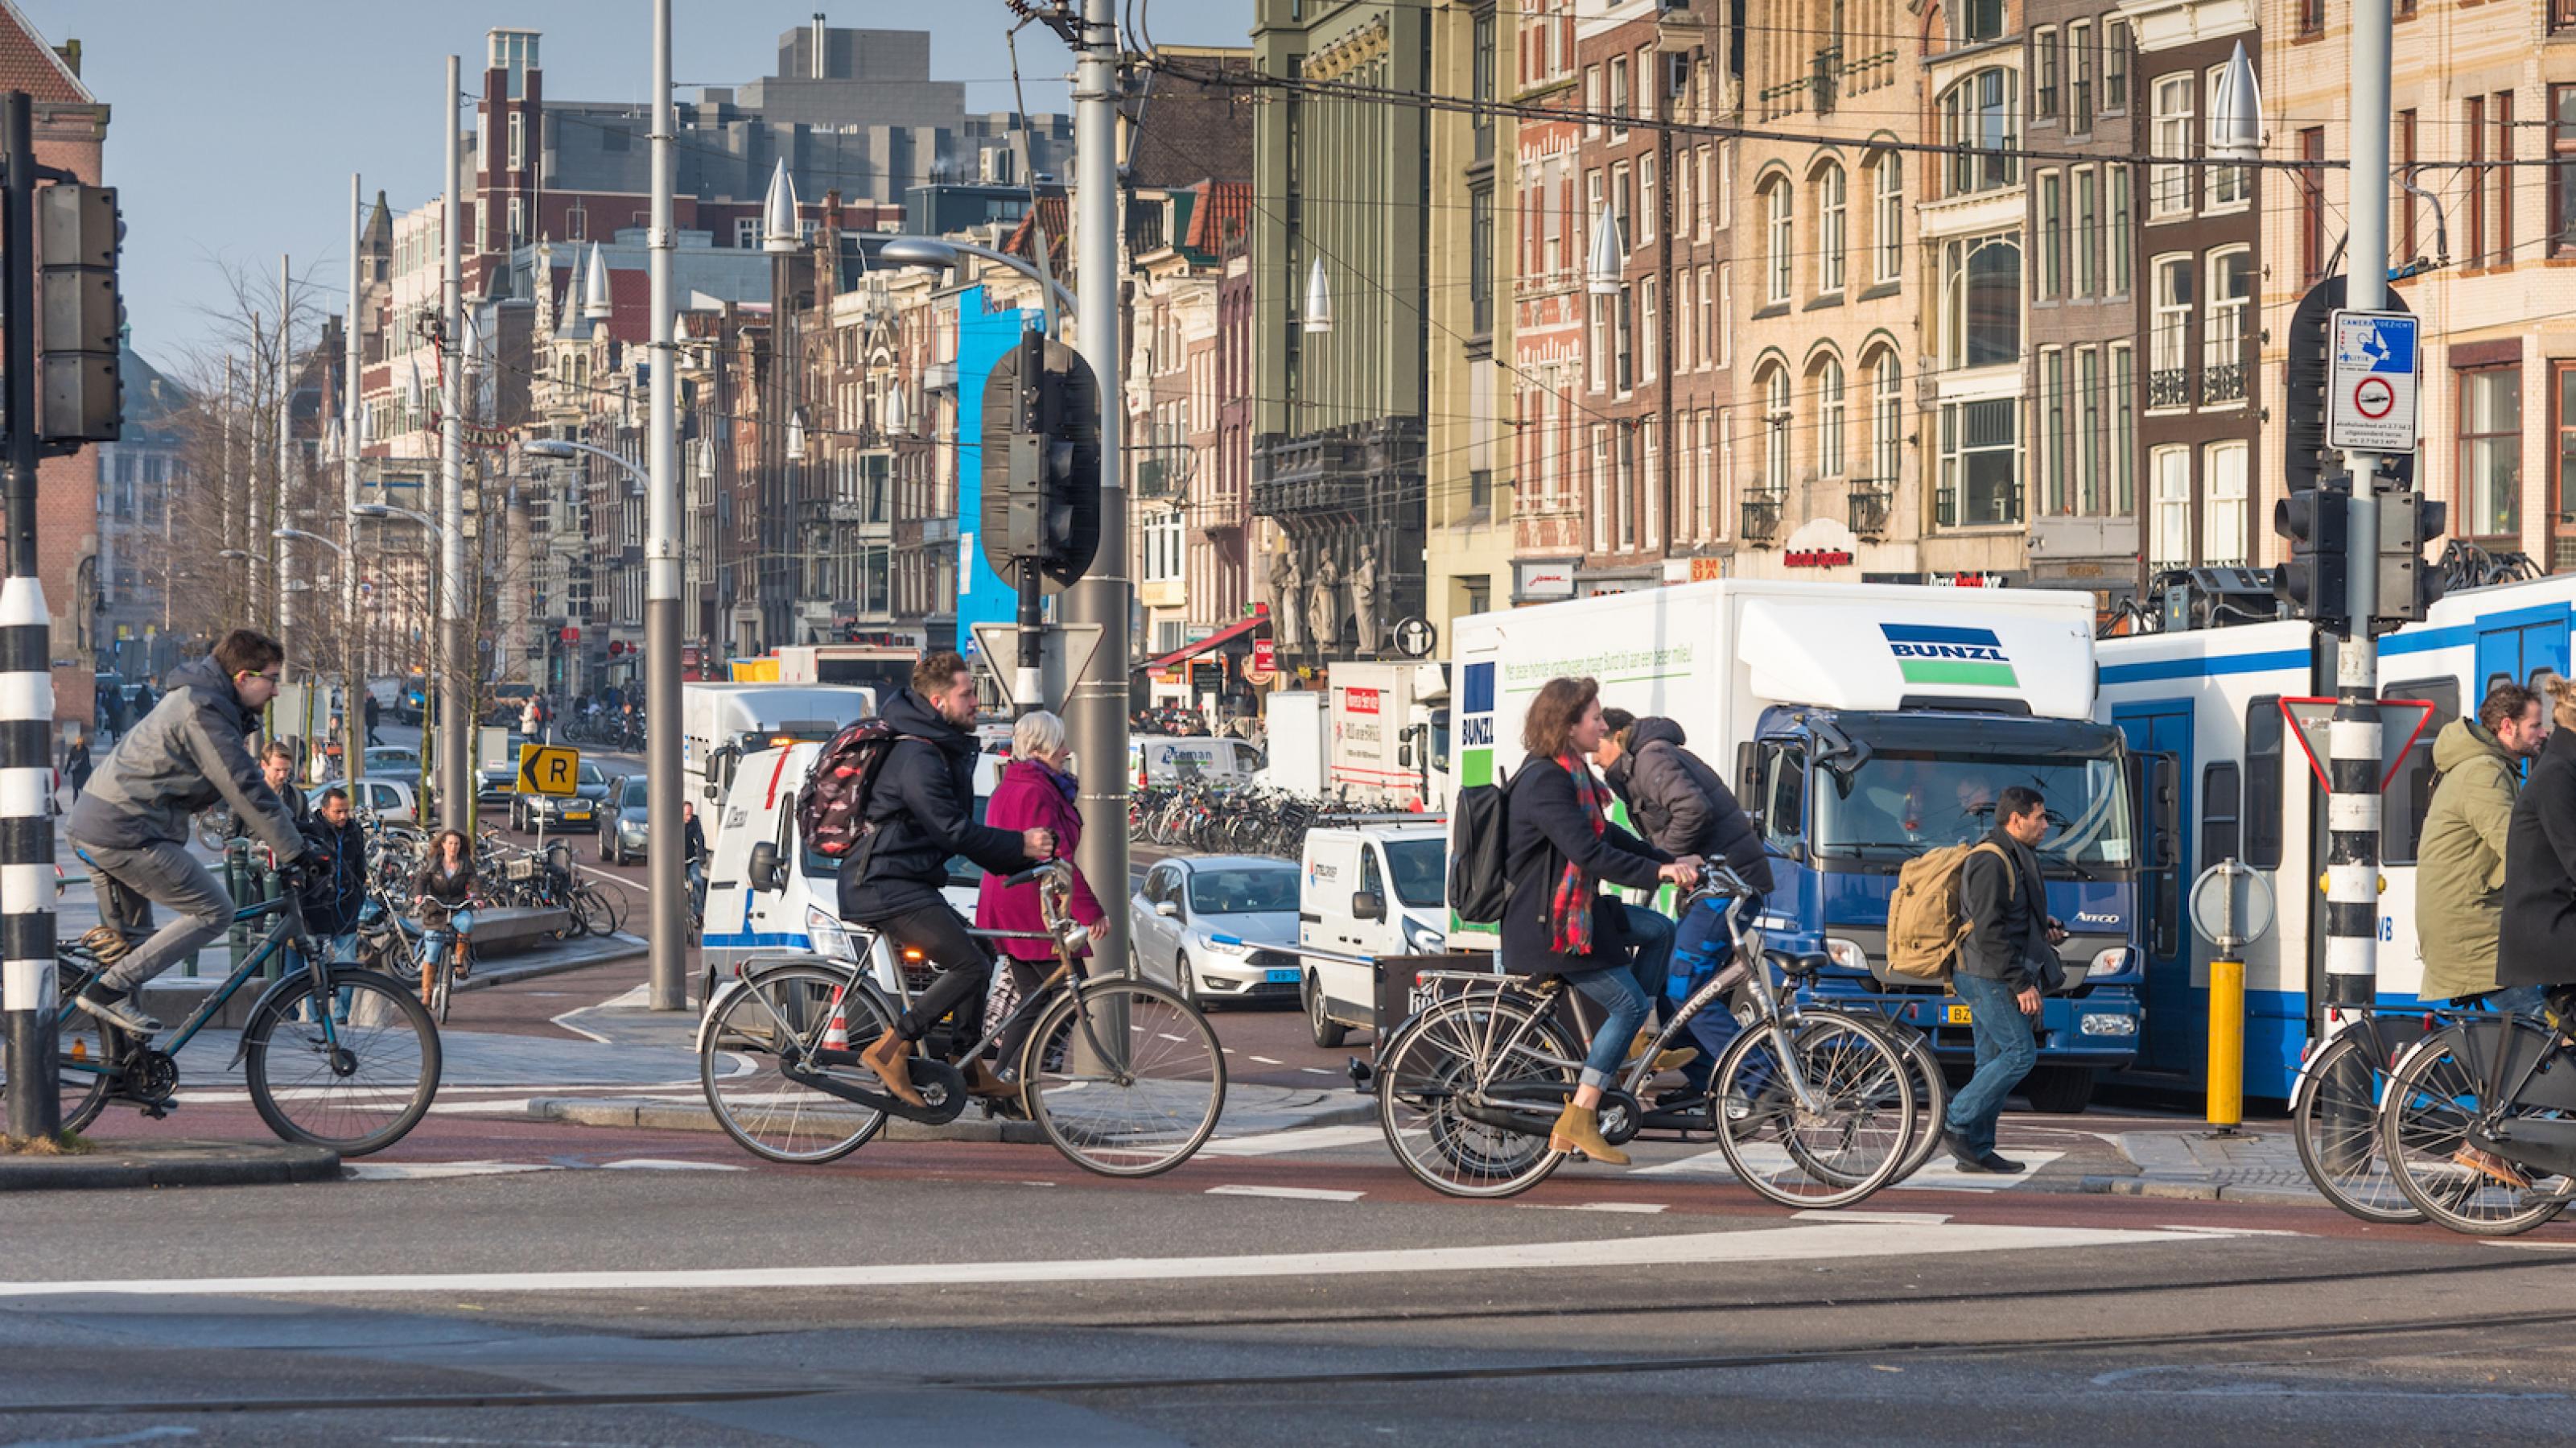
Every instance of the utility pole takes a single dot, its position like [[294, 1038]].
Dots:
[[667, 972], [353, 722], [279, 515], [455, 727], [1097, 716], [27, 984]]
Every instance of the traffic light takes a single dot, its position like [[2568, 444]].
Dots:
[[2407, 585], [80, 396], [2318, 523], [1041, 461]]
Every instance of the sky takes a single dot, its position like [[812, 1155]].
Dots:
[[234, 124]]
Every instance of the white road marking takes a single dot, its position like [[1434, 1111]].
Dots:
[[1315, 1071], [1893, 1219], [1293, 1194], [1266, 1061], [1642, 1209], [1938, 1175], [415, 1171], [1807, 1242], [1303, 1138], [659, 1163]]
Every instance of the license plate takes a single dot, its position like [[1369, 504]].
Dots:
[[1958, 1015], [576, 814], [1288, 976]]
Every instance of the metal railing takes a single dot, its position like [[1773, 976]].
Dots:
[[2222, 382], [2169, 387], [1873, 500], [1762, 507]]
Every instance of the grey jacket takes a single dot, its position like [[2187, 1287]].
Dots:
[[2007, 909], [189, 753]]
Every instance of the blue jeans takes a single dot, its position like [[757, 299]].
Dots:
[[1626, 991], [1702, 949], [2007, 1047], [336, 950], [2521, 1000]]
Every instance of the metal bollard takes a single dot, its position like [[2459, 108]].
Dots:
[[237, 885], [2226, 1045]]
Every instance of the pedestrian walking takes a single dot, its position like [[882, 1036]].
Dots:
[[2003, 966], [1036, 792], [76, 762], [336, 890], [2459, 857], [374, 712], [277, 766]]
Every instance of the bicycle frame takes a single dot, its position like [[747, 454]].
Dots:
[[289, 929]]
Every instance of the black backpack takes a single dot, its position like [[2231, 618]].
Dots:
[[831, 812], [1479, 841]]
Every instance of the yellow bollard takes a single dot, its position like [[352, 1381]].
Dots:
[[2226, 1044]]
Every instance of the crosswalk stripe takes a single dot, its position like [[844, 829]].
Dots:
[[1292, 1194], [1304, 1138]]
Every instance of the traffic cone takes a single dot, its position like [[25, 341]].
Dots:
[[836, 1036]]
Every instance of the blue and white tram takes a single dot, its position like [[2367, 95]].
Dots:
[[2210, 699]]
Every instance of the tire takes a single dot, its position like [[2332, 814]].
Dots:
[[765, 1113], [291, 1072], [1435, 1060], [590, 914], [2059, 1090], [2434, 1094], [1327, 1032], [1931, 1097], [2334, 1116], [80, 1044], [442, 991], [1150, 1111], [1831, 1158], [1181, 985]]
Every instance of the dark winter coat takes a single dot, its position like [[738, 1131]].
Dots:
[[2539, 942], [1547, 829], [190, 753], [2007, 917], [1032, 797], [923, 806], [338, 888], [1680, 803]]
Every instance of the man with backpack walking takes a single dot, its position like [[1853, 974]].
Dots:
[[907, 782], [2003, 964]]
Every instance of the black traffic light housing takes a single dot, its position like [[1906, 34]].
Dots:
[[80, 395], [2408, 586], [1041, 461], [2314, 583], [2304, 374]]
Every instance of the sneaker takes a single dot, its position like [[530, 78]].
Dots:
[[122, 1014]]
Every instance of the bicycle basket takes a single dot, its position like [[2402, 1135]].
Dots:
[[520, 869]]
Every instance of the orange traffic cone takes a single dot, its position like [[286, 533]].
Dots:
[[836, 1035]]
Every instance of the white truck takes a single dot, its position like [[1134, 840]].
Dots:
[[1864, 724], [721, 724], [1294, 743], [1390, 735]]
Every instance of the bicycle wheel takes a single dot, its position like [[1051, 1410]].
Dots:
[[442, 989], [82, 1051], [357, 1090], [2334, 1117], [1853, 1140], [1133, 1093], [2435, 1095], [604, 908], [1439, 1068], [1931, 1095], [785, 1014]]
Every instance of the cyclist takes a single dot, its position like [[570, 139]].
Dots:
[[443, 893], [132, 822], [922, 806]]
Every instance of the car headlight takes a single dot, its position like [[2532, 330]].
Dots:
[[824, 932], [1847, 954], [1225, 945], [1423, 939]]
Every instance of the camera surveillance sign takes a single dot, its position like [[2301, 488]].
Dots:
[[2370, 388]]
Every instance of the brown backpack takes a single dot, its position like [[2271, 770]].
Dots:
[[1925, 925]]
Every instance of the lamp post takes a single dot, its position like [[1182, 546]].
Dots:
[[352, 742]]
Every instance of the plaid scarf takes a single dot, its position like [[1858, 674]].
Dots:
[[1569, 915]]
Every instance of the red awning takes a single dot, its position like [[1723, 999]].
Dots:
[[1218, 639]]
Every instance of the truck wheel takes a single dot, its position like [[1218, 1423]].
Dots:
[[2059, 1090], [1327, 1032]]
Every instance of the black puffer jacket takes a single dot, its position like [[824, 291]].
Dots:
[[1682, 805], [923, 805]]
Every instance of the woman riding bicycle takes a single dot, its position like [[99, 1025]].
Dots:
[[442, 893], [1562, 848]]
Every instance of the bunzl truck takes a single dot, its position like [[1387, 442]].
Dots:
[[1864, 724], [1390, 735], [2210, 700], [722, 723]]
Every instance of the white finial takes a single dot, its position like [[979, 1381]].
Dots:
[[594, 299], [778, 212], [1319, 299]]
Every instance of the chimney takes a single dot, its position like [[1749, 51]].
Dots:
[[820, 70], [69, 50]]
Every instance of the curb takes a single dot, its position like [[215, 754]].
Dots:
[[246, 1164], [679, 1116], [501, 973], [2187, 1190]]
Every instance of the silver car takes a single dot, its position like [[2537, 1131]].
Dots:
[[1185, 905]]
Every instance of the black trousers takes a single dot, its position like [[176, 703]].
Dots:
[[963, 965]]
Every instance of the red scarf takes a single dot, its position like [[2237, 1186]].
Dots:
[[1569, 915]]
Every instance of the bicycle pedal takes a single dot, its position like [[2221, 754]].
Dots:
[[158, 1110]]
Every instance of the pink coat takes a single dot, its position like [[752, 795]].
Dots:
[[1031, 797]]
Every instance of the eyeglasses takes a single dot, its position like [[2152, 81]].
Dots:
[[275, 678]]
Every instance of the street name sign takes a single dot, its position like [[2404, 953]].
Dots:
[[2370, 382]]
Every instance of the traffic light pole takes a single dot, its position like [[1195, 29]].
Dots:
[[2352, 740], [26, 681], [667, 976]]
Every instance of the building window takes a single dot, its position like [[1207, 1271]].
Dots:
[[1650, 436], [2231, 188], [2477, 179], [746, 232], [1775, 432], [2115, 182], [2169, 542], [2124, 429], [1619, 111], [1888, 223], [2562, 169], [1980, 20], [2312, 204], [2048, 431], [2086, 273], [1650, 328], [2503, 179], [2052, 235], [1600, 488], [2562, 502], [1980, 483], [2079, 76], [1725, 314], [1624, 318], [2231, 294], [1886, 418], [1648, 208], [1782, 233], [2115, 65], [1683, 208], [1591, 101], [2491, 451], [1829, 419], [1480, 260], [2088, 430], [1481, 82], [1977, 117], [2312, 17], [1981, 292], [2168, 380], [2169, 180], [1623, 497], [2043, 74], [518, 140], [1833, 206], [2222, 519], [1686, 344]]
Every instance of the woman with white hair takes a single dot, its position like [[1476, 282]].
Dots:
[[1036, 793]]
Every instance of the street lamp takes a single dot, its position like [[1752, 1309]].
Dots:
[[933, 253], [387, 510]]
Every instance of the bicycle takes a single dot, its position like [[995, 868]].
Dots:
[[354, 1080], [1124, 1078], [1470, 1087], [2334, 1113], [2499, 1083], [435, 967]]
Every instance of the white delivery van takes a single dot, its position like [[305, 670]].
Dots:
[[1177, 758], [1368, 889], [797, 910], [1295, 743], [723, 723], [1389, 745]]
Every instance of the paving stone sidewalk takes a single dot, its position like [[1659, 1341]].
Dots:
[[2259, 1164]]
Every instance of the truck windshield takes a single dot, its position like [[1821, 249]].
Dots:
[[1418, 866], [1901, 803]]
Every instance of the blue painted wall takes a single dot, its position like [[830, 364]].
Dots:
[[983, 596]]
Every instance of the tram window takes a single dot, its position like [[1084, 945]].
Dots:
[[2410, 794], [2261, 825], [2220, 791]]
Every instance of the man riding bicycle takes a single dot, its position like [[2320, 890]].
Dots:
[[922, 805], [132, 821]]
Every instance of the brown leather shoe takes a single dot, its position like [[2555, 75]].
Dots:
[[981, 1082], [887, 1055]]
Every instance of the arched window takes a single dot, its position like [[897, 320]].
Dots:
[[1781, 209], [1887, 220], [1981, 296], [1833, 207], [1979, 117], [1886, 417], [1775, 431], [1829, 419]]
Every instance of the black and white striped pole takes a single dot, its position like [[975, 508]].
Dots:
[[27, 985]]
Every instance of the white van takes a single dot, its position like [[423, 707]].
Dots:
[[722, 723], [1173, 758], [799, 909], [1375, 889]]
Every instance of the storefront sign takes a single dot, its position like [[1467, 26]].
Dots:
[[1265, 662], [1816, 558], [1702, 570], [1532, 582]]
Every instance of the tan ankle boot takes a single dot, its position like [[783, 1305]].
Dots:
[[1578, 1129], [886, 1055]]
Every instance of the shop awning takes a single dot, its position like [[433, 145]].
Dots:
[[1215, 640]]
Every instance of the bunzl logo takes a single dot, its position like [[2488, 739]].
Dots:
[[1931, 655], [1360, 701]]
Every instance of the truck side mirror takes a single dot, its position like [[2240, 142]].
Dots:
[[1368, 905], [764, 871], [1748, 773], [720, 765]]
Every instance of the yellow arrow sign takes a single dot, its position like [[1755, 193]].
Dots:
[[549, 769]]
